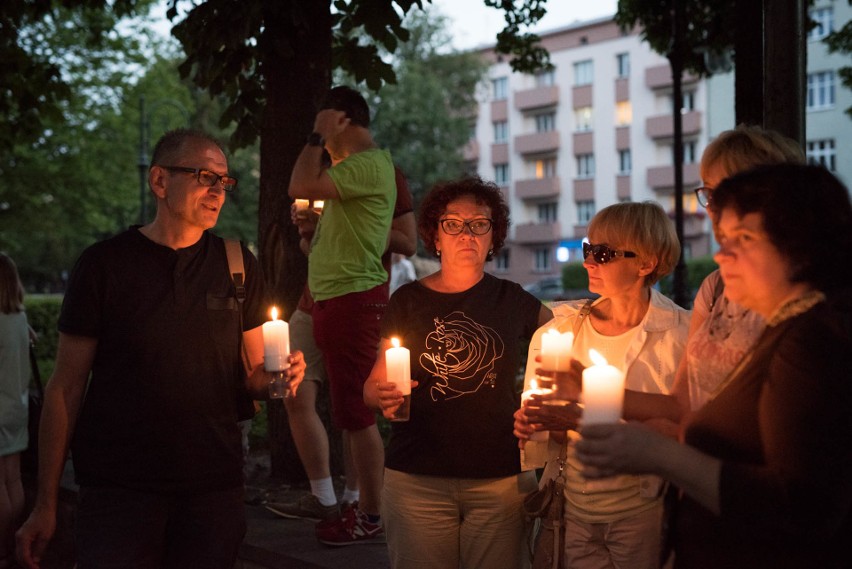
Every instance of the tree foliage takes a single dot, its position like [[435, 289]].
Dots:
[[840, 41]]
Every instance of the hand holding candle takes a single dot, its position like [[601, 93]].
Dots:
[[398, 367], [276, 354], [525, 396], [556, 356], [603, 391], [301, 204]]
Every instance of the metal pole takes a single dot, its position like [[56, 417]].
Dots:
[[680, 294], [143, 161]]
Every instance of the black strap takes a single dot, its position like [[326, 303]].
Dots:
[[36, 374], [237, 271]]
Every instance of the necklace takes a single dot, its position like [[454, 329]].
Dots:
[[795, 307]]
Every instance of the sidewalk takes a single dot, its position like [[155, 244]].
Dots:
[[279, 543]]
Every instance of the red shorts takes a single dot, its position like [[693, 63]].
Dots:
[[346, 329]]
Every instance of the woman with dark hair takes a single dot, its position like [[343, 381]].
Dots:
[[453, 487], [14, 384], [766, 470]]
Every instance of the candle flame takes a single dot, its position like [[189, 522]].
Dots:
[[274, 313], [395, 342], [597, 358], [553, 332]]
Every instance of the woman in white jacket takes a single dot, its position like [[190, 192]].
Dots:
[[614, 522]]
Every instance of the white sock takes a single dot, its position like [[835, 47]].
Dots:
[[351, 495], [324, 491]]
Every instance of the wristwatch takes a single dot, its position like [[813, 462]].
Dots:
[[315, 139]]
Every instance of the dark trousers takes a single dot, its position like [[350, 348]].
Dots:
[[127, 529]]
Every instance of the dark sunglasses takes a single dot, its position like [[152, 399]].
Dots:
[[603, 254]]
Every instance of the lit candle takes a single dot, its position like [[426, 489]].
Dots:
[[556, 350], [398, 365], [318, 205], [276, 343], [535, 390], [603, 391], [302, 204]]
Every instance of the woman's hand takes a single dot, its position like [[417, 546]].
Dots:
[[388, 397], [620, 448]]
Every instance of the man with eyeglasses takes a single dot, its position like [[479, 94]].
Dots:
[[148, 377], [347, 280]]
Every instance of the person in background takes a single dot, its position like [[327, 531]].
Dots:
[[14, 389], [453, 487], [348, 283], [402, 272], [615, 522], [765, 468], [148, 381], [308, 431]]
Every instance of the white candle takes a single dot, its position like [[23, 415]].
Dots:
[[535, 390], [276, 343], [302, 204], [556, 350], [603, 391], [398, 366], [318, 205]]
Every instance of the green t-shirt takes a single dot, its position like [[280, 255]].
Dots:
[[353, 231]]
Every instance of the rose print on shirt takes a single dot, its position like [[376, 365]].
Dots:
[[461, 354]]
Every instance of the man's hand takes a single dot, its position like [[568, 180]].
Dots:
[[330, 122], [32, 538]]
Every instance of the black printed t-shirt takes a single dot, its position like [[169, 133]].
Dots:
[[465, 352], [160, 410]]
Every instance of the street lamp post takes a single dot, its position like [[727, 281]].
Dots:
[[144, 141]]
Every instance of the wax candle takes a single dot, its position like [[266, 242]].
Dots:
[[535, 390], [603, 391], [302, 204], [398, 365], [556, 350], [276, 343], [318, 205]]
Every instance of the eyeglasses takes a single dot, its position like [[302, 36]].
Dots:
[[206, 177], [603, 254], [479, 226], [703, 194]]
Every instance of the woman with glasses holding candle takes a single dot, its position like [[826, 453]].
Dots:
[[766, 465], [615, 522], [453, 487]]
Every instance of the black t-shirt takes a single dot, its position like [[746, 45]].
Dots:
[[465, 352], [160, 410]]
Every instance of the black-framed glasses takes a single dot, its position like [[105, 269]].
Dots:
[[703, 194], [478, 226], [206, 177], [603, 254]]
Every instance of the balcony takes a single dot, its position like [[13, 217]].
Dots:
[[499, 110], [536, 98], [470, 152], [537, 188], [537, 142], [662, 126], [660, 77], [530, 233], [500, 153], [661, 178]]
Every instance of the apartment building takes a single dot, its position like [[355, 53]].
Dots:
[[598, 129]]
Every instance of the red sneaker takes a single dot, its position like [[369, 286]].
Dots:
[[351, 528]]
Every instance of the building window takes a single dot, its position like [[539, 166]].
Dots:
[[585, 165], [823, 20], [583, 73], [545, 122], [623, 113], [689, 152], [821, 152], [545, 168], [545, 78], [501, 174], [624, 162], [820, 90], [622, 63], [501, 132], [547, 212], [585, 212], [501, 260], [500, 88], [688, 101], [583, 119], [542, 259]]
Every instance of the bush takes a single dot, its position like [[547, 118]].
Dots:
[[574, 276], [43, 316], [697, 270]]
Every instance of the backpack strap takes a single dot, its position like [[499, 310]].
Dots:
[[236, 269]]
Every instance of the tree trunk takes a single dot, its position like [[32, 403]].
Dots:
[[297, 74]]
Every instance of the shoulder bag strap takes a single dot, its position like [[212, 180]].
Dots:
[[584, 312], [237, 271], [36, 374]]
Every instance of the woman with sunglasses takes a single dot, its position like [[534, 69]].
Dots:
[[615, 522], [453, 486], [765, 470]]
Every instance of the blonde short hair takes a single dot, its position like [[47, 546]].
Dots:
[[747, 147], [643, 228]]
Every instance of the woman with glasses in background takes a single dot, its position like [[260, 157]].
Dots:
[[615, 522], [453, 487]]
